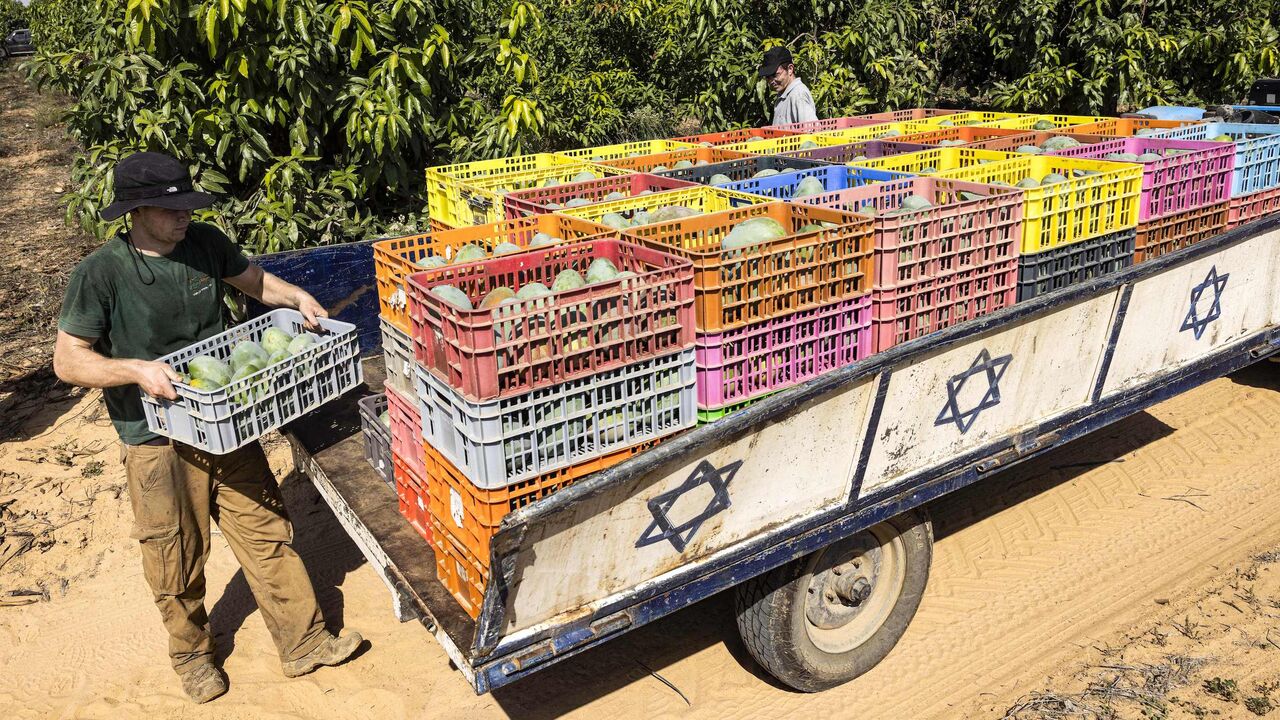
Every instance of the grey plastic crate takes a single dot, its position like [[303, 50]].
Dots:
[[504, 441], [377, 437], [218, 422], [1072, 264], [397, 350]]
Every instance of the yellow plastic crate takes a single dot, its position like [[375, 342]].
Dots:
[[446, 203], [623, 150], [703, 199], [770, 146], [479, 200], [929, 162], [1027, 122], [884, 131], [968, 117], [1080, 208]]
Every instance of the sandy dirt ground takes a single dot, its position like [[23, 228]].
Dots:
[[1132, 574]]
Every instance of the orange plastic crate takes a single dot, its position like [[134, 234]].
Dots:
[[393, 260], [471, 515], [1174, 232], [1128, 126], [667, 160], [738, 287], [459, 571]]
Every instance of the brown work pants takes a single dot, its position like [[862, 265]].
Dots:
[[174, 490]]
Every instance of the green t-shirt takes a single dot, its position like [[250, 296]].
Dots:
[[143, 306]]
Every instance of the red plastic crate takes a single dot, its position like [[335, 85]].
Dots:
[[526, 344], [727, 137], [471, 515], [411, 493], [394, 259], [753, 361], [1198, 177], [1174, 232], [739, 287], [539, 201], [1247, 208], [406, 431]]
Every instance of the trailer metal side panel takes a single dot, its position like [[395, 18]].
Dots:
[[733, 499]]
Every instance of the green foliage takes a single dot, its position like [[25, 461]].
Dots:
[[314, 119], [13, 15]]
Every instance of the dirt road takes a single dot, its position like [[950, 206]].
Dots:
[[1150, 547]]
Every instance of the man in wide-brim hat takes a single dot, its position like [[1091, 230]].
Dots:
[[153, 289]]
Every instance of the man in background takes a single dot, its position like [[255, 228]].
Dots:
[[794, 104]]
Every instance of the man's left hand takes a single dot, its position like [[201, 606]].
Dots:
[[311, 310]]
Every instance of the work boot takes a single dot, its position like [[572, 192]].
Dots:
[[203, 683], [331, 651]]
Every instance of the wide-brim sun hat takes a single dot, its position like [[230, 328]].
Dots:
[[150, 179]]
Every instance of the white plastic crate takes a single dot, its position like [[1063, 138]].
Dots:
[[397, 351], [377, 437], [214, 421], [505, 441]]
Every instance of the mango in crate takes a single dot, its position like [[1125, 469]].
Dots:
[[248, 351], [568, 279], [505, 248], [542, 239], [451, 295], [496, 297], [251, 393], [720, 179], [275, 340], [615, 195], [210, 371], [584, 176], [601, 270], [469, 253], [767, 172], [809, 186], [577, 202], [431, 261], [1044, 125], [682, 164]]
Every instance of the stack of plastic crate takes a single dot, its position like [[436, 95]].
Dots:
[[773, 314], [1080, 217], [945, 251], [536, 369], [1186, 188], [1255, 177], [394, 260]]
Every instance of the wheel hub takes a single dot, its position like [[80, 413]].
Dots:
[[838, 593]]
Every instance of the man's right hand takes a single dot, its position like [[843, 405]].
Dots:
[[156, 379]]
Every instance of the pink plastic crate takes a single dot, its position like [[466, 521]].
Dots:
[[406, 431], [524, 345], [1254, 206], [538, 201], [755, 360], [933, 303], [949, 263], [954, 234], [1174, 184]]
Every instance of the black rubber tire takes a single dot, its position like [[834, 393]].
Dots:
[[771, 616]]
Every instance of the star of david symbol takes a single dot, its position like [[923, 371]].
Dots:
[[982, 365], [1193, 321], [679, 534]]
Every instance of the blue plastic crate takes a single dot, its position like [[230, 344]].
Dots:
[[835, 177], [1257, 157]]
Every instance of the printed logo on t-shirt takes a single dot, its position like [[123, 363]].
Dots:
[[199, 283]]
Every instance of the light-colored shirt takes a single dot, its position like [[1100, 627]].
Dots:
[[794, 105]]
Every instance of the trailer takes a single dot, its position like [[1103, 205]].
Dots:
[[808, 503]]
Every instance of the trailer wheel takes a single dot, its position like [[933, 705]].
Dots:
[[826, 618]]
